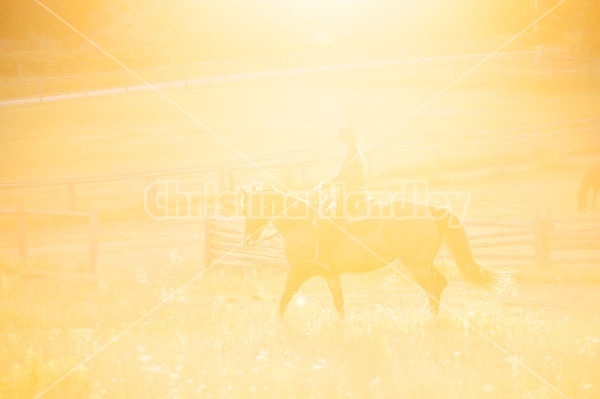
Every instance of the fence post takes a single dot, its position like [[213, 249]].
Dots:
[[21, 230], [289, 175], [39, 88], [186, 74], [206, 236], [222, 178], [370, 172], [302, 175], [84, 84], [153, 187], [171, 75], [502, 157], [542, 226], [72, 197], [226, 179], [230, 179], [94, 240], [454, 68], [564, 148]]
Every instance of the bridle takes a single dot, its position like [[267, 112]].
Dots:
[[250, 244]]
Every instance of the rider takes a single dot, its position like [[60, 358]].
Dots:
[[349, 183], [351, 175]]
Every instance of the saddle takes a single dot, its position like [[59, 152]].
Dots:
[[353, 214], [352, 217]]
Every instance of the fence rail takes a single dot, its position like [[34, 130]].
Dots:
[[209, 73], [294, 163], [21, 229], [519, 243], [544, 61]]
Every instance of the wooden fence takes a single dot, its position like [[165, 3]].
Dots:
[[575, 241], [292, 166], [21, 230], [223, 243], [536, 241], [540, 241]]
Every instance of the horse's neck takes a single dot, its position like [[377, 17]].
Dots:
[[286, 226], [282, 226]]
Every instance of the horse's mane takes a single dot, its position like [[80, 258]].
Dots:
[[275, 190], [291, 201]]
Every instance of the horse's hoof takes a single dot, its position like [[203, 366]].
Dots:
[[434, 308], [431, 306]]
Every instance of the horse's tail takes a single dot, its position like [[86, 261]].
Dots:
[[461, 249]]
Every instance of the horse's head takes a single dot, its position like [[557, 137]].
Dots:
[[260, 207]]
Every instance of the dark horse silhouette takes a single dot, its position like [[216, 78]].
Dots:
[[590, 182], [413, 235]]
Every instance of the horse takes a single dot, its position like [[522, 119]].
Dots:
[[412, 235], [590, 181]]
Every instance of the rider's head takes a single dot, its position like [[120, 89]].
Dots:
[[347, 135]]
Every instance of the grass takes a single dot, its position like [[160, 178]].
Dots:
[[220, 338]]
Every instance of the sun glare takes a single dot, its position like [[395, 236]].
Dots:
[[301, 300], [299, 199]]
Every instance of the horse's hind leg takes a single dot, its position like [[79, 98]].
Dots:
[[295, 278], [438, 283], [433, 283], [335, 286]]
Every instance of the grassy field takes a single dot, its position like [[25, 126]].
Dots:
[[143, 131], [218, 337]]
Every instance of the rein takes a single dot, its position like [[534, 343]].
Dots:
[[291, 195]]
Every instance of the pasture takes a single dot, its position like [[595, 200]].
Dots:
[[154, 321], [219, 338]]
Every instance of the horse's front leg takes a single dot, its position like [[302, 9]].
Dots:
[[295, 278], [335, 286]]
